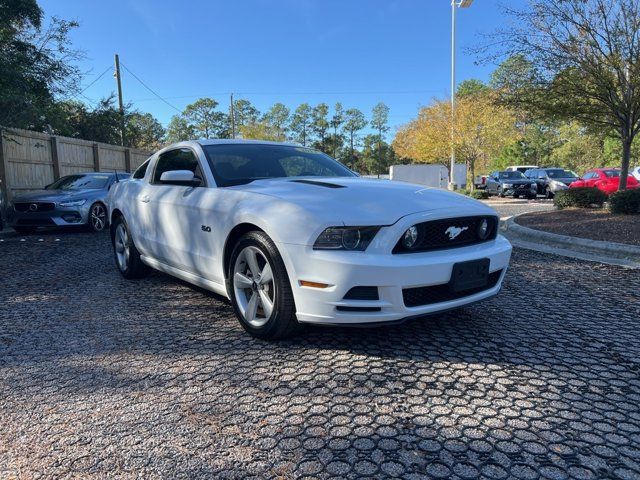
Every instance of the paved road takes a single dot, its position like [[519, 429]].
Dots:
[[508, 207], [102, 377]]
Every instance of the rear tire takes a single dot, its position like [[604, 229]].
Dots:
[[125, 253], [260, 290], [25, 230]]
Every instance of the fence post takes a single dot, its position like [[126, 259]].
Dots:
[[3, 170], [55, 158], [127, 160], [96, 157]]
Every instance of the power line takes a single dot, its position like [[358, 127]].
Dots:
[[98, 78], [149, 88], [389, 92]]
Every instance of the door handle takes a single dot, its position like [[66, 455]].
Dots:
[[145, 199]]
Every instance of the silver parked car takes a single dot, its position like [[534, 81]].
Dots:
[[73, 200], [551, 180]]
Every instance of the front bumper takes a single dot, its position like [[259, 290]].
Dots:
[[557, 187], [515, 190], [388, 272], [58, 217]]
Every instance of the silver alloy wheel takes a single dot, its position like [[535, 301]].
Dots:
[[254, 286], [122, 247], [98, 217]]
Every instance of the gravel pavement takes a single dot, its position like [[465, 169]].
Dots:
[[102, 377]]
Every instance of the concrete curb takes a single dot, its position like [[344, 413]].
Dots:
[[583, 248]]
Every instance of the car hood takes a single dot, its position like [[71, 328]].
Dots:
[[54, 195], [358, 201], [517, 181]]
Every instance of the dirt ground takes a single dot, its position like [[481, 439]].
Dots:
[[586, 223]]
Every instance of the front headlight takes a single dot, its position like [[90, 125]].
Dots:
[[345, 238], [73, 203], [556, 185], [507, 185]]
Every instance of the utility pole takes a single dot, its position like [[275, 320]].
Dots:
[[454, 4], [233, 119], [120, 105], [452, 184]]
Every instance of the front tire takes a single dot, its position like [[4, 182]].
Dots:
[[125, 253], [259, 288], [97, 217]]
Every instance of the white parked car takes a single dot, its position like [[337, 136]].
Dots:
[[291, 236], [520, 168]]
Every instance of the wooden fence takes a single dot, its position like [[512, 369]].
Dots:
[[30, 160]]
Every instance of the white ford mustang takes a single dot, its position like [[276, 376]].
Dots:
[[291, 236]]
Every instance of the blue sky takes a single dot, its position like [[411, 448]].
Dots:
[[358, 52]]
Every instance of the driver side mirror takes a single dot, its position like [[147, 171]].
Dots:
[[180, 177]]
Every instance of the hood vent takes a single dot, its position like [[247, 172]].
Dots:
[[319, 184]]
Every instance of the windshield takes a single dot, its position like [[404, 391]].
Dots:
[[77, 182], [560, 173], [237, 164], [510, 175]]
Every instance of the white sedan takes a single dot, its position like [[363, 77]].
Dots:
[[292, 236]]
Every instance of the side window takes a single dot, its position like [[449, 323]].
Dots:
[[180, 159], [140, 171], [542, 174]]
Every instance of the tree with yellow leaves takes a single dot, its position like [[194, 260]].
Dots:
[[482, 130]]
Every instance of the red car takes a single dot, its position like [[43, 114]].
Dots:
[[604, 179]]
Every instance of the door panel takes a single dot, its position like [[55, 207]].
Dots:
[[183, 217]]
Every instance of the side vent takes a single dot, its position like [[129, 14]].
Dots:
[[362, 293]]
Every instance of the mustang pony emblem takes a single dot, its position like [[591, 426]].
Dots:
[[453, 232]]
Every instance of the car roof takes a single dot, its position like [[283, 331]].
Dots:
[[237, 141]]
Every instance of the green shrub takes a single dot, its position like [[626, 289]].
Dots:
[[626, 201], [477, 194], [582, 197]]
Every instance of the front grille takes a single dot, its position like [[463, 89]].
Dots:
[[362, 293], [524, 187], [34, 206], [436, 234], [420, 296]]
